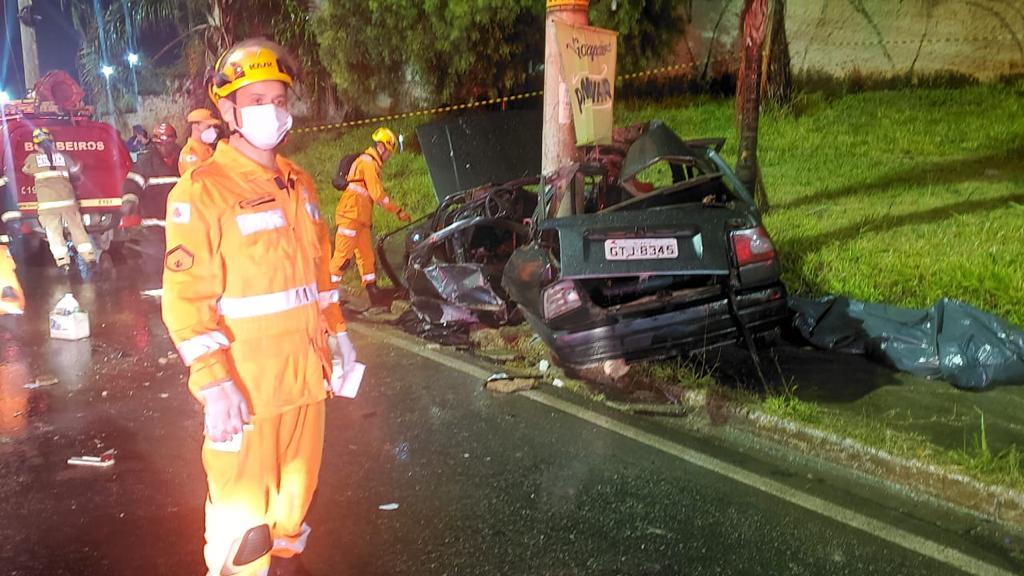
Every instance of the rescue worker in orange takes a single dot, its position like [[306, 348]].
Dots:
[[354, 214], [12, 299], [201, 139], [144, 199], [249, 302], [53, 172]]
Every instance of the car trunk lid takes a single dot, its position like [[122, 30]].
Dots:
[[671, 241]]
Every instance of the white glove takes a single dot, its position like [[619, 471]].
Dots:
[[225, 411], [343, 357]]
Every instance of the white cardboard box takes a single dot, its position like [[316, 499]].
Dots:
[[69, 327]]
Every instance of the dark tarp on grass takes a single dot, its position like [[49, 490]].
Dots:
[[951, 340]]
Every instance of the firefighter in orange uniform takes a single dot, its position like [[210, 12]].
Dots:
[[354, 214], [203, 136], [249, 303], [12, 299]]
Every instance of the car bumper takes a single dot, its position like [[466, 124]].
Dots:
[[674, 333]]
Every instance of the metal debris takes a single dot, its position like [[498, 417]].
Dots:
[[102, 461]]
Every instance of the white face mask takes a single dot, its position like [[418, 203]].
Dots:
[[208, 136], [264, 126]]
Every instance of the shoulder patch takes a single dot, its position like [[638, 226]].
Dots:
[[179, 259], [181, 212]]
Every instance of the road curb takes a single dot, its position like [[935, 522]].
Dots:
[[996, 504]]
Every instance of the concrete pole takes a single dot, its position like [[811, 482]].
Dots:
[[559, 144], [29, 54]]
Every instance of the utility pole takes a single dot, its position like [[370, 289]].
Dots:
[[29, 54], [559, 144]]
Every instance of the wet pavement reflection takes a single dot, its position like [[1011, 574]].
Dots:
[[423, 473]]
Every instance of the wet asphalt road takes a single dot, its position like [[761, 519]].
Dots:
[[484, 484]]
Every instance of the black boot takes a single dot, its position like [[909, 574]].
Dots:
[[377, 299]]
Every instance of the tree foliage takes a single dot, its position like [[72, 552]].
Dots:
[[436, 51], [203, 29]]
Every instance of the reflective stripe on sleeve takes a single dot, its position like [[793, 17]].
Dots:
[[329, 297], [55, 204], [385, 202], [161, 180], [4, 238], [347, 232], [12, 215], [137, 178], [369, 278], [84, 247], [153, 222], [198, 346], [266, 304], [335, 279], [129, 197]]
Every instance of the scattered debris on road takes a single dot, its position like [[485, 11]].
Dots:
[[102, 461], [42, 382], [505, 384], [388, 507]]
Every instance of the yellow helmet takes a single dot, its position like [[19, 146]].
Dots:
[[248, 62], [40, 135], [385, 137]]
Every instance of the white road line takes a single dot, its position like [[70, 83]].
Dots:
[[902, 538]]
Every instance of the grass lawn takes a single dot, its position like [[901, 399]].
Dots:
[[900, 196]]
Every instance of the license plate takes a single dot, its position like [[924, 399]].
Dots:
[[641, 249]]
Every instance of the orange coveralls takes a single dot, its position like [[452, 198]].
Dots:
[[193, 154], [12, 299], [354, 217], [248, 298]]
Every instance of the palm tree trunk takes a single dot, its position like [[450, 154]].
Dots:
[[776, 75]]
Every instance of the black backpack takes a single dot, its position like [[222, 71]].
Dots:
[[340, 180]]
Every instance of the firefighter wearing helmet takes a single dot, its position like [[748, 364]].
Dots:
[[360, 178], [248, 301], [144, 196], [203, 136], [53, 173]]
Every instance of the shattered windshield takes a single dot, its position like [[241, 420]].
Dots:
[[666, 181]]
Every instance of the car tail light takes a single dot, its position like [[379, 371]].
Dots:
[[752, 246], [561, 298]]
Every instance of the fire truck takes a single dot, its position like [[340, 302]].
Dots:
[[97, 146]]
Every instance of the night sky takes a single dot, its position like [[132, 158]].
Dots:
[[56, 38]]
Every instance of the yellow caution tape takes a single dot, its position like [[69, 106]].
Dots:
[[490, 102]]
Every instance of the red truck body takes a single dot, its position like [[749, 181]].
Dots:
[[97, 146]]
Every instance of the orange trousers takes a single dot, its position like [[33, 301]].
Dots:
[[271, 480], [358, 241], [12, 299]]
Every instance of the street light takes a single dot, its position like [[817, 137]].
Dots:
[[107, 71], [133, 59]]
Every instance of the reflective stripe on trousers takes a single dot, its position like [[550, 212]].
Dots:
[[55, 204], [266, 304]]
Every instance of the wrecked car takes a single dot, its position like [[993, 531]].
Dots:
[[645, 250]]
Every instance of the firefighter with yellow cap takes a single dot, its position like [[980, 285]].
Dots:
[[249, 303], [201, 139], [359, 176], [53, 173]]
